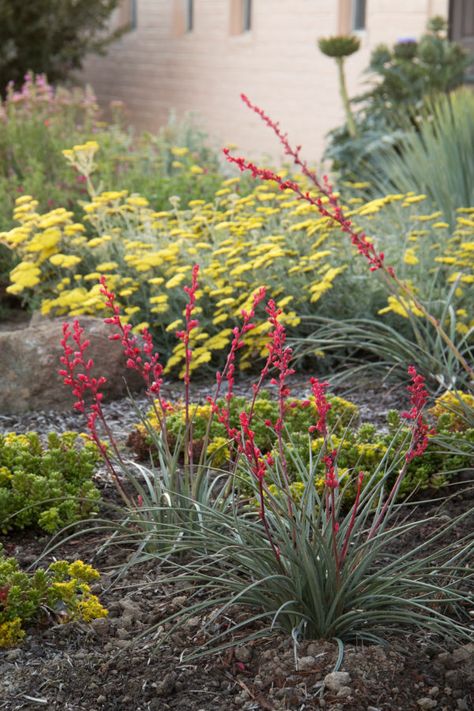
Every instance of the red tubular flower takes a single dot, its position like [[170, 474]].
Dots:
[[331, 479], [77, 374], [419, 437], [190, 323], [322, 405], [420, 430], [333, 210], [280, 358], [141, 357], [228, 372]]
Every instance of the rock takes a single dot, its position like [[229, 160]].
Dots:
[[344, 691], [101, 626], [426, 703], [336, 680], [306, 663], [243, 654], [29, 361], [463, 655], [129, 607], [315, 650]]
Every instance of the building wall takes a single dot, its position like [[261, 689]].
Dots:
[[158, 67]]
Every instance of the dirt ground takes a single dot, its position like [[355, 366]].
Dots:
[[108, 666]]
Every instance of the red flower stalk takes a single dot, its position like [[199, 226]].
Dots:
[[333, 211], [258, 465], [419, 437], [77, 373], [355, 509], [190, 323], [228, 372], [420, 430], [331, 480], [280, 358], [140, 357], [322, 405]]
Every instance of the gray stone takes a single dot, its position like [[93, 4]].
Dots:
[[29, 364], [306, 663], [426, 703], [243, 654], [344, 691], [335, 680]]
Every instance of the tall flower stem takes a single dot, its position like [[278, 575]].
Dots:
[[351, 125], [328, 206]]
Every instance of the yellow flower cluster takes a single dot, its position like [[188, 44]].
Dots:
[[266, 238], [11, 633]]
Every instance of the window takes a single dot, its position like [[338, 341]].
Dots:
[[133, 14], [240, 16], [246, 15], [189, 15], [358, 14], [127, 15]]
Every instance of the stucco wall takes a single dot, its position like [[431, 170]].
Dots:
[[153, 69]]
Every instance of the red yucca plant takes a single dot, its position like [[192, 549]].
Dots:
[[302, 564]]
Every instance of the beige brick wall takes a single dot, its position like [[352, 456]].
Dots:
[[277, 65]]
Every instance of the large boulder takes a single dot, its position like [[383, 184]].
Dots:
[[29, 364]]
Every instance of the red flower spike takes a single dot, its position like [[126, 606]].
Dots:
[[322, 405], [140, 356], [420, 430], [332, 210]]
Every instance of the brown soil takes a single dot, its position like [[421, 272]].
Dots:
[[108, 666]]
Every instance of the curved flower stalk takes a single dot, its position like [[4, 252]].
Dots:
[[328, 206]]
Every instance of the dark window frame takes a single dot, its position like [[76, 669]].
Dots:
[[189, 16], [247, 15], [359, 15]]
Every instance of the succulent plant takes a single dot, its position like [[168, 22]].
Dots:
[[339, 46]]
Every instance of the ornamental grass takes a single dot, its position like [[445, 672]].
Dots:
[[303, 564]]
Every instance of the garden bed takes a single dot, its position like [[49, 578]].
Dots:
[[104, 666], [100, 666]]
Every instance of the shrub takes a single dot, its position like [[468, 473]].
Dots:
[[38, 121], [454, 411], [446, 140], [50, 36], [61, 592], [266, 237], [47, 485], [358, 447], [406, 79]]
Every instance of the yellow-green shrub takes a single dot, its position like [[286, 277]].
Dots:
[[46, 484], [241, 243], [62, 591]]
